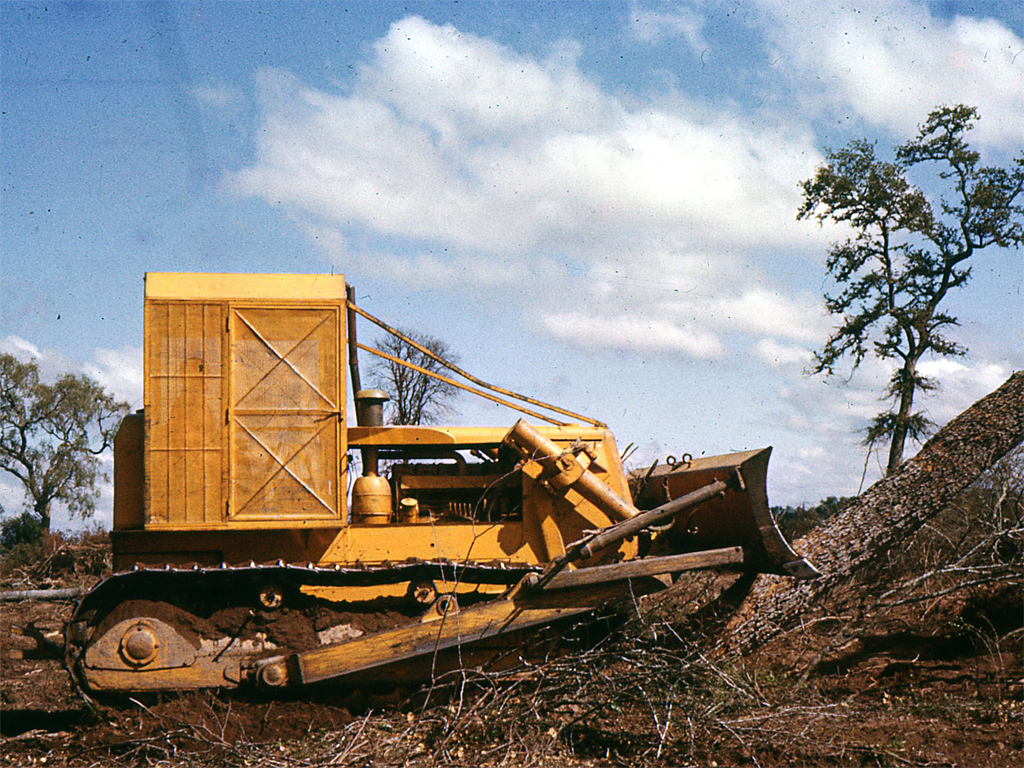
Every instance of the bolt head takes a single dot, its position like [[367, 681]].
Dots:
[[139, 645]]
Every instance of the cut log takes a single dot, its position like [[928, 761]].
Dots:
[[42, 594], [885, 515]]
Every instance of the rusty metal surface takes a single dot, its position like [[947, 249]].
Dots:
[[741, 516]]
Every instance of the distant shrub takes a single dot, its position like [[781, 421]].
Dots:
[[795, 522], [25, 529], [21, 539]]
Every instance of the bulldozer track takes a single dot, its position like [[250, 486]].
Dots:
[[282, 603]]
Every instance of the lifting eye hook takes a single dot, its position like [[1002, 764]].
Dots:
[[685, 461]]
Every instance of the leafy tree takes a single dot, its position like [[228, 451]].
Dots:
[[416, 398], [52, 435], [907, 254]]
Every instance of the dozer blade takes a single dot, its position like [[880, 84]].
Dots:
[[740, 517]]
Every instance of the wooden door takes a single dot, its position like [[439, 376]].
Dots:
[[284, 418]]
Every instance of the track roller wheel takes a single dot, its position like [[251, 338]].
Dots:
[[271, 597], [422, 593]]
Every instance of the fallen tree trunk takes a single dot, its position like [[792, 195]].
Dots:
[[42, 594], [885, 515]]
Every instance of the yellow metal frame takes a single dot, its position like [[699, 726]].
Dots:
[[223, 286]]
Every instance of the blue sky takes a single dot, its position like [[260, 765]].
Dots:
[[590, 202]]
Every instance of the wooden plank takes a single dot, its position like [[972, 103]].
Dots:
[[653, 566], [213, 414], [192, 413], [176, 407], [464, 627], [156, 411]]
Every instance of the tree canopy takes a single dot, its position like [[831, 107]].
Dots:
[[52, 436], [907, 254]]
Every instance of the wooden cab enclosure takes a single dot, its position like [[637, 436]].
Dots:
[[242, 450]]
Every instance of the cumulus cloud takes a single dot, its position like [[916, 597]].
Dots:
[[504, 163], [557, 166], [893, 62]]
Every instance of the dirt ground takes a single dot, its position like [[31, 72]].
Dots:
[[932, 683]]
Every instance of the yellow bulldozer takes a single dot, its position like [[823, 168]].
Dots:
[[262, 541]]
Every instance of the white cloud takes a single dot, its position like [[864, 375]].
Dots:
[[632, 332], [827, 418], [761, 311], [504, 163], [415, 271], [960, 385], [464, 86], [119, 371], [52, 363], [557, 166], [219, 97], [778, 355], [893, 62]]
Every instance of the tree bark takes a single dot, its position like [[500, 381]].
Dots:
[[886, 514], [906, 407]]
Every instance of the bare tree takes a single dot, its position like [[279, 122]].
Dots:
[[416, 398], [52, 435]]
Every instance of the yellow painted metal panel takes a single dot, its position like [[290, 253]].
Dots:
[[482, 542], [460, 436], [210, 286]]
